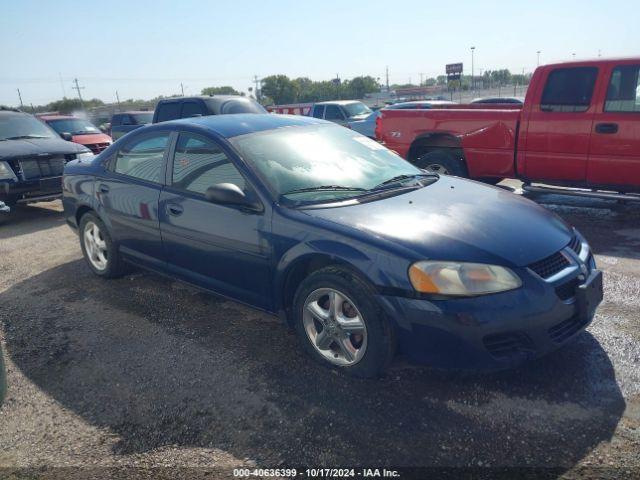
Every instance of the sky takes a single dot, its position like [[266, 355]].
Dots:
[[142, 48]]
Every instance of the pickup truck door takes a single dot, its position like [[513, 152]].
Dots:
[[559, 125], [614, 155], [334, 113]]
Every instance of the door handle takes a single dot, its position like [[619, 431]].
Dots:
[[174, 209], [606, 128], [104, 188]]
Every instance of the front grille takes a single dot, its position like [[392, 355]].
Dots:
[[563, 330], [567, 290], [41, 168], [504, 345], [547, 267], [576, 245], [96, 148]]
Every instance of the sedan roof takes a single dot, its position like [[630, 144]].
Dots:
[[233, 125]]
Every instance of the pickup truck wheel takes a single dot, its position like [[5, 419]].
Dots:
[[98, 249], [443, 162], [340, 324]]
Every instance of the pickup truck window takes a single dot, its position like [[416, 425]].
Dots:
[[333, 112], [318, 111], [115, 120], [623, 94], [569, 89], [168, 111], [190, 109]]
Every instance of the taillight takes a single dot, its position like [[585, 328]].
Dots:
[[378, 129]]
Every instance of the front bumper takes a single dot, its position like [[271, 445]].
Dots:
[[21, 192], [493, 331]]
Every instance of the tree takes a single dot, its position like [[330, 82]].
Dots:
[[68, 105], [225, 90], [280, 88]]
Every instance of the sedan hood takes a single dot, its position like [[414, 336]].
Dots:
[[455, 219], [37, 146]]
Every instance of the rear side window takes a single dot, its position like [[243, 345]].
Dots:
[[168, 111], [318, 111], [143, 158], [191, 109], [623, 94], [199, 163], [241, 106], [569, 89], [333, 113]]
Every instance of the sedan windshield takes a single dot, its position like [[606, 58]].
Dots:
[[356, 109], [322, 163], [15, 127], [74, 126]]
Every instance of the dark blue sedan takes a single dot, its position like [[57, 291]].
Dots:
[[358, 250]]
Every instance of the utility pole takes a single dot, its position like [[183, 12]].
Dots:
[[538, 52], [387, 79], [421, 75], [256, 80], [473, 49], [78, 88], [182, 88], [20, 97], [118, 99]]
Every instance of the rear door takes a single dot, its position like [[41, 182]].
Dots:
[[614, 157], [560, 124], [128, 195]]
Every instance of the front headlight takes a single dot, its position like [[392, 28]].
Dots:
[[461, 279], [85, 155], [6, 173]]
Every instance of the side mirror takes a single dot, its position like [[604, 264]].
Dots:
[[230, 194], [66, 136]]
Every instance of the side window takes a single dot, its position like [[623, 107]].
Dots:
[[143, 158], [125, 120], [569, 89], [168, 111], [318, 111], [199, 163], [623, 94], [333, 112], [191, 109], [116, 120]]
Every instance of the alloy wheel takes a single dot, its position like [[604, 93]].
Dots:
[[95, 246]]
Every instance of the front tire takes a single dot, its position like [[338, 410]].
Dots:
[[340, 324], [98, 249], [443, 162]]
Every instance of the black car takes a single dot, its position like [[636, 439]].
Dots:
[[124, 122], [186, 107], [32, 158]]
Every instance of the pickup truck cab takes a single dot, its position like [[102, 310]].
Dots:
[[125, 122], [342, 112], [579, 126], [202, 106]]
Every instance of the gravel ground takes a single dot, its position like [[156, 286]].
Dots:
[[144, 371]]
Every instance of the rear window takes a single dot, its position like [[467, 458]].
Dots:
[[623, 94], [241, 106], [168, 111], [569, 89], [191, 109]]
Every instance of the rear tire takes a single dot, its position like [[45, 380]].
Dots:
[[340, 324], [98, 249], [444, 162]]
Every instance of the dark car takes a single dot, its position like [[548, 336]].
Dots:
[[202, 106], [32, 157], [125, 122], [360, 251]]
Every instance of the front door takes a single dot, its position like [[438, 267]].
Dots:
[[614, 156], [219, 247], [559, 125], [128, 194]]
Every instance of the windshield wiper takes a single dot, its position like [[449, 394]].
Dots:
[[19, 137], [399, 179], [325, 188]]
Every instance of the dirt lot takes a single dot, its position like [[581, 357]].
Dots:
[[146, 371]]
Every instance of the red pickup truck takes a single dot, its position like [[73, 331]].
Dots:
[[579, 126]]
